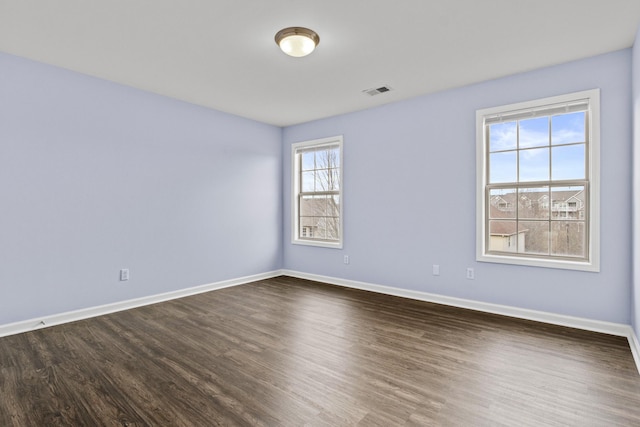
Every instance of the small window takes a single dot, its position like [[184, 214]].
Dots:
[[317, 192], [538, 191]]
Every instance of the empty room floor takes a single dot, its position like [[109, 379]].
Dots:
[[291, 352]]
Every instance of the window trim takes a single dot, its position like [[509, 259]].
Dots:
[[295, 190], [593, 179]]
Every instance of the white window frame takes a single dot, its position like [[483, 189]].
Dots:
[[296, 238], [592, 263]]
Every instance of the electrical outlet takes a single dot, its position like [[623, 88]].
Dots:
[[346, 259], [436, 270], [124, 274], [471, 274]]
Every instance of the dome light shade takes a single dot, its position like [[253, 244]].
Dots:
[[297, 41]]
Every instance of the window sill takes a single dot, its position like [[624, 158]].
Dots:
[[336, 245], [539, 262]]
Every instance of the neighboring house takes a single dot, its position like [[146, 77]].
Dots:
[[529, 211], [503, 233], [504, 237], [567, 205], [319, 217]]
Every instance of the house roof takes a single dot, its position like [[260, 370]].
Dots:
[[503, 228]]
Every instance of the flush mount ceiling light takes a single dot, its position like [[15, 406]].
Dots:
[[297, 41]]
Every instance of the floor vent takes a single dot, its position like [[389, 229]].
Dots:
[[377, 90]]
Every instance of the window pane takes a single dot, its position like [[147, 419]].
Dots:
[[319, 217], [334, 179], [308, 227], [321, 227], [502, 236], [567, 203], [333, 206], [568, 238], [322, 180], [334, 156], [333, 228], [568, 162], [502, 167], [534, 132], [534, 165], [502, 136], [322, 159], [313, 227], [535, 235], [533, 203], [502, 203], [326, 159], [308, 160], [313, 206], [308, 181], [568, 128], [306, 206], [327, 180]]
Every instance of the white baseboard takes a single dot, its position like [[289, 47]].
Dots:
[[634, 343], [617, 329], [85, 313]]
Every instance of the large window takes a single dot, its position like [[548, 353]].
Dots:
[[317, 192], [538, 186]]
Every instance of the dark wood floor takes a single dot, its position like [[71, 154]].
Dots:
[[289, 352]]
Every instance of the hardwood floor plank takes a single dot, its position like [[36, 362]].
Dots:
[[291, 352]]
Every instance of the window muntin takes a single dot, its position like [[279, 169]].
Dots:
[[317, 182], [537, 192]]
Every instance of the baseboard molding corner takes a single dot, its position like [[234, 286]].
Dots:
[[86, 313], [539, 316], [634, 343], [617, 329]]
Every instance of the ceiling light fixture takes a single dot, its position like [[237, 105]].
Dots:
[[297, 41]]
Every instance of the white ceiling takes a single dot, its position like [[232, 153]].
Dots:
[[221, 53]]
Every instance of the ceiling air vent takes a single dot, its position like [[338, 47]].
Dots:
[[377, 90]]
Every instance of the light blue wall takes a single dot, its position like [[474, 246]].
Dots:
[[96, 176], [636, 185], [409, 195]]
